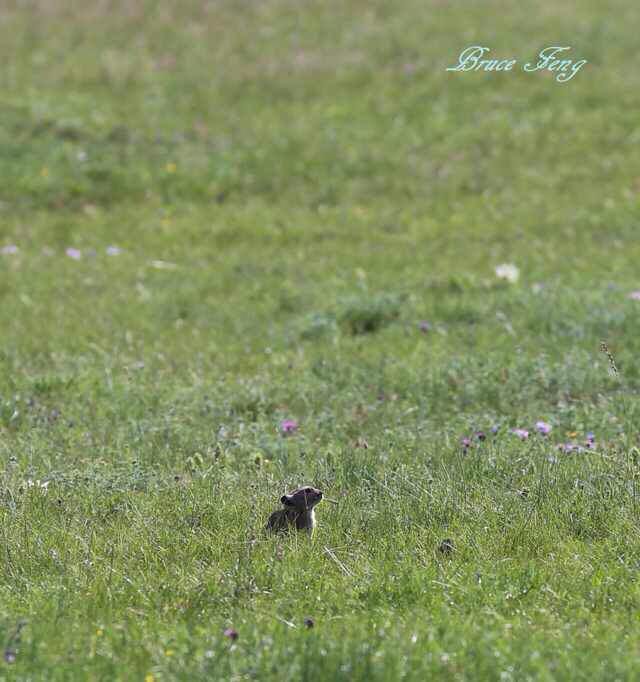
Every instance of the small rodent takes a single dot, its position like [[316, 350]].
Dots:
[[298, 511]]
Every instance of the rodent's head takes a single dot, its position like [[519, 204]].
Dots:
[[302, 498]]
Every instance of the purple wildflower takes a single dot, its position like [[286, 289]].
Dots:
[[566, 447], [635, 295], [76, 254], [543, 428], [466, 443], [424, 327], [113, 251], [480, 435], [495, 428], [9, 250], [231, 634], [591, 436], [522, 434], [288, 426], [570, 447]]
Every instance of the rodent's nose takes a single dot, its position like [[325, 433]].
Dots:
[[320, 493]]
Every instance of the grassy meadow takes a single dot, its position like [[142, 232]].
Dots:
[[217, 216]]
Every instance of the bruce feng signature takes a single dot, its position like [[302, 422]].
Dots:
[[471, 59]]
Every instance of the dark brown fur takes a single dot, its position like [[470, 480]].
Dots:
[[297, 511]]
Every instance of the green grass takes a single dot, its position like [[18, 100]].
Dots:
[[294, 187]]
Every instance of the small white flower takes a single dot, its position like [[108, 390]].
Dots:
[[507, 271]]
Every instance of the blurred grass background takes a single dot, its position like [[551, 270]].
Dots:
[[292, 188]]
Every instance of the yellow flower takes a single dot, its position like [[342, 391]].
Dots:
[[44, 172], [168, 653], [149, 677], [171, 167], [99, 632]]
